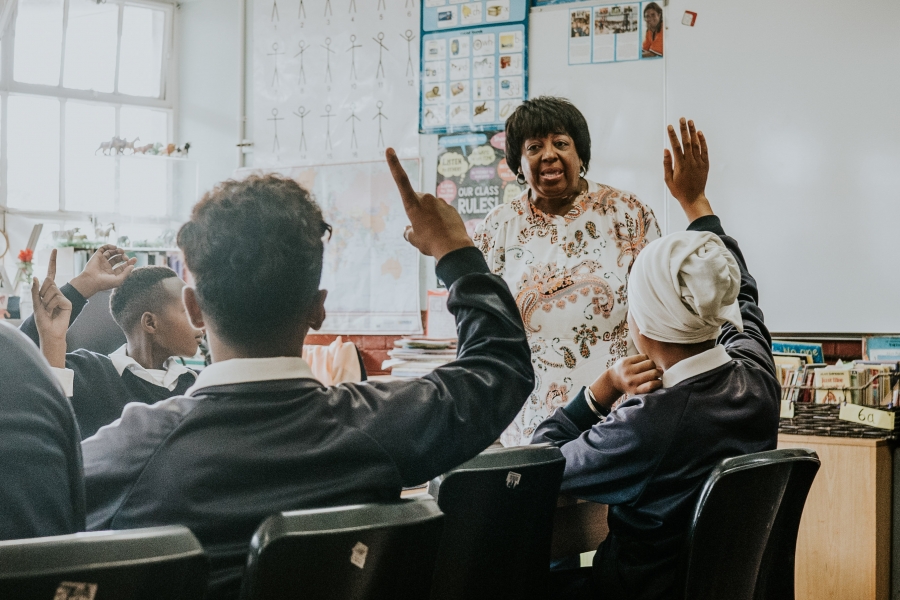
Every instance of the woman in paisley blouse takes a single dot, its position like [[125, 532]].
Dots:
[[565, 247]]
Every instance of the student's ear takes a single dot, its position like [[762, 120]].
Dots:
[[317, 310], [193, 308], [149, 322]]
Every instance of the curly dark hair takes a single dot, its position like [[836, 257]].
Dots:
[[140, 292], [255, 249], [541, 116]]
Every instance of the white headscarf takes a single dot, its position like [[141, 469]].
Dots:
[[683, 287]]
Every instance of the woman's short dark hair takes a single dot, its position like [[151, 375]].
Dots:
[[255, 249], [541, 116]]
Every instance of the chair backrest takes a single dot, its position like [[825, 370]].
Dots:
[[368, 551], [95, 329], [744, 532], [157, 563], [499, 508]]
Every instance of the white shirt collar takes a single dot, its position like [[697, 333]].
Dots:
[[172, 369], [695, 365], [246, 370]]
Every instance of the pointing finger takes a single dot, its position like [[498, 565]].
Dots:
[[407, 193], [51, 268]]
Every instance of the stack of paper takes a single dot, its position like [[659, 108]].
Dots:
[[415, 356]]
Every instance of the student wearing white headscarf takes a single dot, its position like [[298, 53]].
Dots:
[[702, 389]]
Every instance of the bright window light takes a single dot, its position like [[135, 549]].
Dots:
[[140, 64], [38, 41], [91, 46], [32, 141], [90, 175]]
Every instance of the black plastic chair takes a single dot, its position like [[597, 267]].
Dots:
[[157, 563], [744, 533], [499, 508], [362, 552]]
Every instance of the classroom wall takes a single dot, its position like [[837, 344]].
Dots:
[[208, 95]]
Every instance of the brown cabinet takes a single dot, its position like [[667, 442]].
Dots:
[[844, 545]]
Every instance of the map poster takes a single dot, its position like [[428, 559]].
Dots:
[[473, 176], [371, 273]]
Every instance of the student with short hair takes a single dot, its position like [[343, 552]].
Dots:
[[702, 389], [146, 304], [257, 434]]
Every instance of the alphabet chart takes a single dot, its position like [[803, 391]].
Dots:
[[474, 64], [334, 80]]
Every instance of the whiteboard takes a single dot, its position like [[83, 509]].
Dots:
[[799, 103], [622, 102]]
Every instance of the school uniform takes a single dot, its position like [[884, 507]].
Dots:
[[42, 491], [649, 458], [254, 437], [100, 386]]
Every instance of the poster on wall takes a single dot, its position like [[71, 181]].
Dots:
[[473, 176], [615, 33], [334, 81], [474, 64]]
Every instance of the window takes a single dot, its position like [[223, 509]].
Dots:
[[74, 74]]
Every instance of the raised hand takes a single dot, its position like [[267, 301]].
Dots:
[[436, 226], [107, 269], [686, 168], [51, 315], [630, 375]]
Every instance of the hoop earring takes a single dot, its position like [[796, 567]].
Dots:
[[520, 178], [582, 172]]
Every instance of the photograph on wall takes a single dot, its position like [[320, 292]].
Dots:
[[473, 176], [615, 33], [652, 46]]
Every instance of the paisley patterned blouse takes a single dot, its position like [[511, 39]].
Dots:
[[568, 275]]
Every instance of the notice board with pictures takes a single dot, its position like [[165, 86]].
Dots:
[[472, 174], [474, 64]]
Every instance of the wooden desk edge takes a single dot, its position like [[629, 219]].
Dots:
[[799, 440]]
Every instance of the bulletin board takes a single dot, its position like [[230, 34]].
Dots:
[[474, 64]]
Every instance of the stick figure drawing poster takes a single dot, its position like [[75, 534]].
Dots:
[[334, 81]]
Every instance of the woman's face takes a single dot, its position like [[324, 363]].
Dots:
[[551, 165], [652, 18]]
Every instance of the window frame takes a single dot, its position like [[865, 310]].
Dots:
[[166, 102]]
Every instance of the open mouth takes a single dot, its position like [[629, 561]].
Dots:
[[552, 175]]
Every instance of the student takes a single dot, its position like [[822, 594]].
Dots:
[[257, 434], [718, 396], [146, 304], [42, 491]]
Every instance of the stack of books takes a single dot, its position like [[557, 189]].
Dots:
[[415, 356]]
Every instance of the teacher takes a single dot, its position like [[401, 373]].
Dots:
[[564, 247]]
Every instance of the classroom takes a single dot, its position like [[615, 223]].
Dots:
[[459, 299]]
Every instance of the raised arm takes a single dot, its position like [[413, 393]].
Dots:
[[107, 269], [686, 169], [431, 424]]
